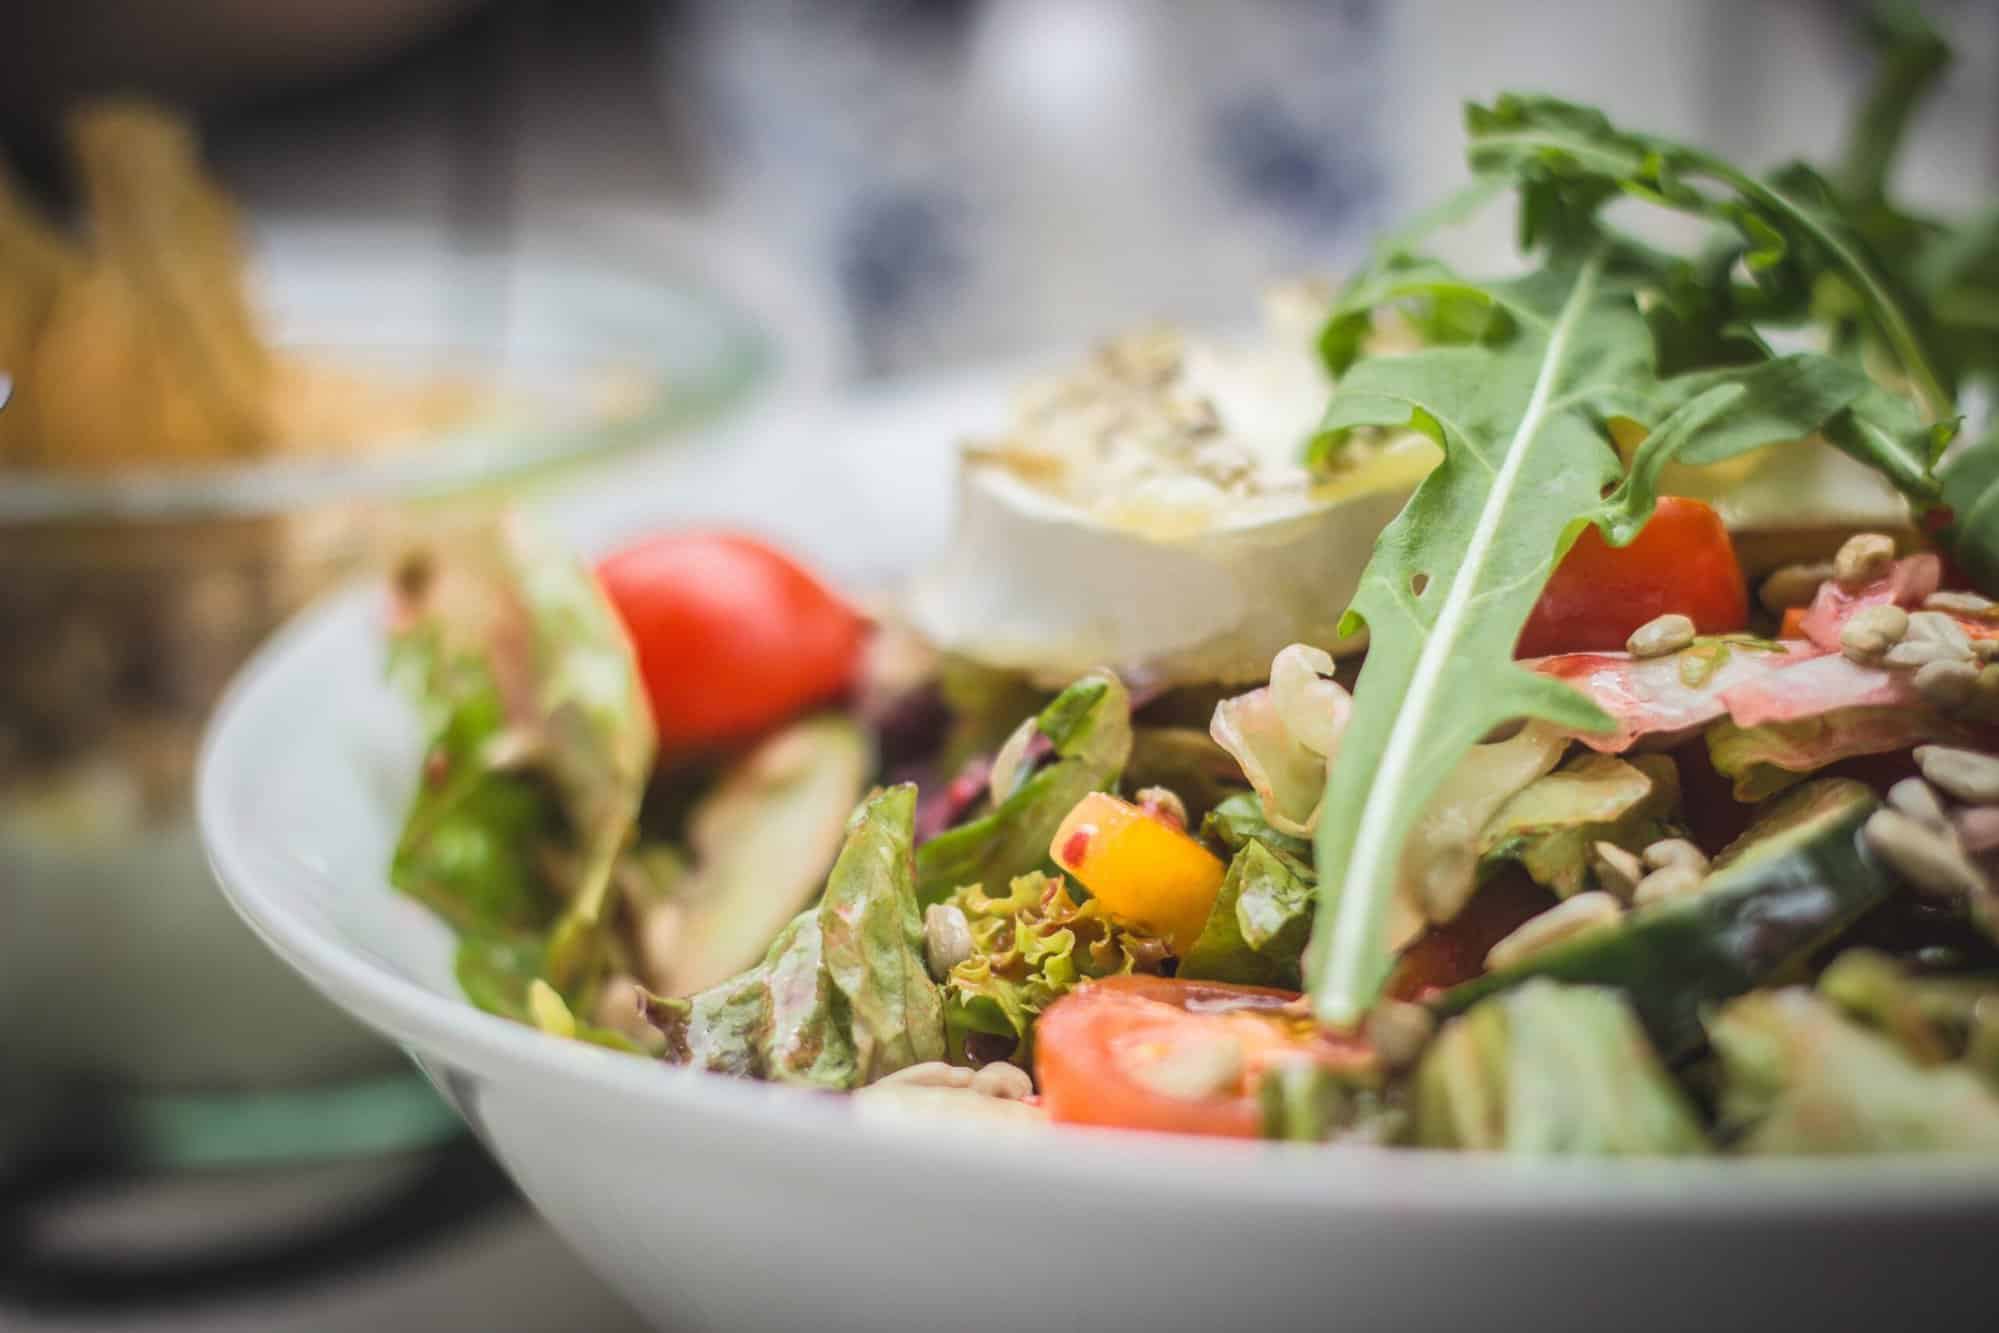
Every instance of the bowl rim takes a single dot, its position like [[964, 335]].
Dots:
[[1309, 1179], [478, 454]]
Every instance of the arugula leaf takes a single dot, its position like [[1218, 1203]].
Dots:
[[1914, 57], [1971, 488], [1528, 461], [1089, 727], [1571, 161], [842, 997], [1525, 383]]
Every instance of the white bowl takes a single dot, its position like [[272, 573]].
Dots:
[[718, 1204]]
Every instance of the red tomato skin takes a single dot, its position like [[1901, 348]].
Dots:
[[733, 637], [1082, 1081], [1682, 561]]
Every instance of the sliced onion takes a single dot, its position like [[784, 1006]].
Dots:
[[1283, 735]]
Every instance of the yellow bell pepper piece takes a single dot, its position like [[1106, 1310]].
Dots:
[[1140, 867]]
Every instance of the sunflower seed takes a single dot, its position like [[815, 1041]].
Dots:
[[1911, 655], [1872, 631], [1978, 829], [1958, 603], [928, 1074], [1947, 686], [947, 939], [1660, 635], [1398, 1032], [1667, 882], [1617, 871], [1966, 774], [1675, 852], [1578, 916], [1936, 627], [1864, 558], [1918, 800], [1006, 1081], [1928, 859]]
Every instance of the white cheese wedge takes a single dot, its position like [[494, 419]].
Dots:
[[1149, 511], [1788, 487]]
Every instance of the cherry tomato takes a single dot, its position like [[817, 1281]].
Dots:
[[733, 637], [1681, 562], [1092, 1046]]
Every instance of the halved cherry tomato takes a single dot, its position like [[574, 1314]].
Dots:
[[733, 637], [1681, 562], [1092, 1046]]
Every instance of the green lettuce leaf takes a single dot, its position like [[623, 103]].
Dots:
[[1031, 946], [1256, 932], [495, 972], [540, 740], [1971, 488], [1551, 824], [1765, 759], [1240, 819], [1797, 1079], [1548, 1070], [842, 997], [1089, 727], [472, 842]]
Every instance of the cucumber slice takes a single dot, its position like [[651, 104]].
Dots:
[[1790, 885]]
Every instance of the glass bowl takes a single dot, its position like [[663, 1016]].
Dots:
[[129, 600]]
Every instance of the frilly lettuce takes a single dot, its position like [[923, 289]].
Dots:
[[1030, 946], [1088, 726]]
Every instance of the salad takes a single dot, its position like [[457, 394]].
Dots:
[[1553, 713]]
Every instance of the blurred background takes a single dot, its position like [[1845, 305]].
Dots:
[[560, 237]]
